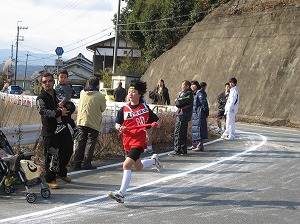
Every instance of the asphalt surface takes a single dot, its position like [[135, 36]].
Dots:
[[254, 179]]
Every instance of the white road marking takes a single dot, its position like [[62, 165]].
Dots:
[[63, 207], [279, 130]]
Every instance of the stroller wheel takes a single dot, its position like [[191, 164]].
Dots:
[[31, 197], [12, 189], [9, 189], [45, 192]]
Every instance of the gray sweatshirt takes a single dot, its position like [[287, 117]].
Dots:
[[64, 92]]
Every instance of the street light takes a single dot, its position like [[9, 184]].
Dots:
[[17, 48]]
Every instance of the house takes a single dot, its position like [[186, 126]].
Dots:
[[80, 69], [104, 53], [124, 78]]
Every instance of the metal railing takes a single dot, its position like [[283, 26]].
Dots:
[[30, 134]]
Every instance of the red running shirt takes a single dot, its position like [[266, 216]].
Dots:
[[135, 138]]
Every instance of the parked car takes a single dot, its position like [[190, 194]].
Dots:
[[76, 91], [108, 93], [15, 90]]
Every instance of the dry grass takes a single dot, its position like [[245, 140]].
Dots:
[[268, 122], [260, 6], [110, 145]]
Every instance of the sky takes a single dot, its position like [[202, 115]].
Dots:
[[70, 24]]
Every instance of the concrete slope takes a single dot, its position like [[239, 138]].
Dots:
[[260, 47]]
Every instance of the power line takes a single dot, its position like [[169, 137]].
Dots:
[[86, 43], [89, 37], [72, 20], [159, 29], [68, 7], [65, 46], [156, 20]]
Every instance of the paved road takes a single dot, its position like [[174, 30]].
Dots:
[[254, 179]]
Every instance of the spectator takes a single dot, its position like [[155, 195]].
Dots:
[[222, 99], [89, 117], [160, 95], [64, 93], [204, 130], [184, 103], [120, 93], [199, 116], [58, 148], [231, 108], [134, 114]]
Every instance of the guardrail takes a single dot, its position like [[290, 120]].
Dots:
[[29, 134], [22, 135]]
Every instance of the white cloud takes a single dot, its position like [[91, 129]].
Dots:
[[71, 24]]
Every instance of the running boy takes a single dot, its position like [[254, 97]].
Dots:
[[64, 94], [135, 113]]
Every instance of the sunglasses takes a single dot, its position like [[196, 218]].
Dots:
[[47, 81]]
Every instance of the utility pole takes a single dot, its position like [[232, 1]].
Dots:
[[24, 84], [17, 48], [11, 66], [116, 39]]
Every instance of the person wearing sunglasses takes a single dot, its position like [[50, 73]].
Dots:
[[58, 148]]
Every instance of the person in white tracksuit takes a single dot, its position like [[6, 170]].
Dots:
[[231, 108]]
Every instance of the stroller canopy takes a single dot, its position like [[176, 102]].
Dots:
[[5, 148]]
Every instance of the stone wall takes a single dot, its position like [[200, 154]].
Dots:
[[260, 47]]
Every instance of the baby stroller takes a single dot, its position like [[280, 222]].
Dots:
[[19, 169]]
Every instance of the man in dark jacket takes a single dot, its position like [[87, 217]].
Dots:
[[120, 93], [184, 103], [57, 148]]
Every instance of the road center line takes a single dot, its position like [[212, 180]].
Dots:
[[173, 176]]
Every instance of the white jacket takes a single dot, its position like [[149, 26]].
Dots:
[[232, 104]]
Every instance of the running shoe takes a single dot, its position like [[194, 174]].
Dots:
[[229, 138], [116, 195], [224, 136], [158, 165]]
